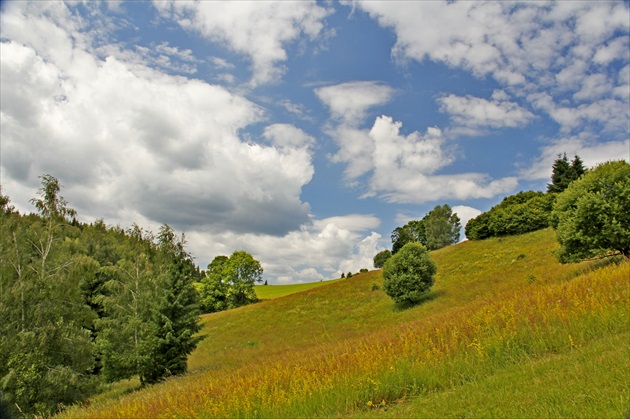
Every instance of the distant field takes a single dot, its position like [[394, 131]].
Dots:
[[267, 292], [507, 331]]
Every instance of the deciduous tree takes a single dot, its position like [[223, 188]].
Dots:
[[592, 216]]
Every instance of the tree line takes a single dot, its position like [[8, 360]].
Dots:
[[439, 228], [86, 304]]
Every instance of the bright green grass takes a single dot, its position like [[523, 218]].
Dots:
[[586, 382], [268, 292]]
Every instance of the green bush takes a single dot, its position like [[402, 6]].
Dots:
[[516, 214], [381, 258], [409, 275]]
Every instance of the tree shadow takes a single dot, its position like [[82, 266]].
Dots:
[[425, 299]]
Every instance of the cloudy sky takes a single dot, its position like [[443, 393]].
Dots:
[[304, 132]]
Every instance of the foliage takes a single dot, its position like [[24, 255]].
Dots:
[[564, 173], [80, 304], [592, 216], [229, 282], [174, 317], [381, 258], [516, 214], [413, 231], [439, 228], [409, 274]]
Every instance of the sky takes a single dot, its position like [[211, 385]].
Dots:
[[304, 132]]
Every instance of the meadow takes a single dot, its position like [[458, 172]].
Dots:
[[507, 331], [267, 292]]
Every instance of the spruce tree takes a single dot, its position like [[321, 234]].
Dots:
[[175, 316], [560, 175]]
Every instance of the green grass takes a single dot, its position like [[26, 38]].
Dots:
[[590, 381], [268, 292], [504, 321]]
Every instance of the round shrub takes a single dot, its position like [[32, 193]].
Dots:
[[408, 275]]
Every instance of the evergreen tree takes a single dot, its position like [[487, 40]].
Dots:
[[563, 172], [175, 317]]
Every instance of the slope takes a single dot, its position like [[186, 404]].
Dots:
[[345, 348], [267, 292]]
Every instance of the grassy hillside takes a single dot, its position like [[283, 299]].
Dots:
[[504, 322], [267, 292]]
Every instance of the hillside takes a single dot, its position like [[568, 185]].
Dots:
[[504, 322], [267, 292]]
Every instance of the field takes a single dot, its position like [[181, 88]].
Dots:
[[267, 292], [507, 331]]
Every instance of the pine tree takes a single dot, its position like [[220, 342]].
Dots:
[[174, 320]]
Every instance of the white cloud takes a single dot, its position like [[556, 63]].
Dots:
[[402, 169], [285, 136], [530, 48], [322, 250], [465, 214], [477, 113], [405, 166], [349, 102], [125, 138], [259, 30]]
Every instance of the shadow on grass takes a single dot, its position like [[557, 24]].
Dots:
[[425, 299]]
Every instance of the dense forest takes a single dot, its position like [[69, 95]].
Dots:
[[85, 304]]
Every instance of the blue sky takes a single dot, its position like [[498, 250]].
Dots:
[[304, 132]]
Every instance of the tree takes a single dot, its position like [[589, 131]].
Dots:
[[229, 282], [51, 205], [242, 273], [413, 231], [563, 172], [381, 258], [175, 316], [516, 214], [214, 286], [441, 227], [592, 216], [409, 274], [46, 348]]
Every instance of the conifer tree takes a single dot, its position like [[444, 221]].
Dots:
[[175, 316]]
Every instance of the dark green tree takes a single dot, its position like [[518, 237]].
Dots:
[[563, 172], [381, 258], [174, 319], [409, 274], [592, 216]]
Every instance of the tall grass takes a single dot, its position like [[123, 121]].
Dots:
[[485, 318]]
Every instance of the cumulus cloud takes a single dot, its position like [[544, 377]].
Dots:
[[128, 138], [465, 214], [285, 136], [560, 49], [320, 250], [349, 102], [478, 113], [405, 166], [259, 30], [402, 169]]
